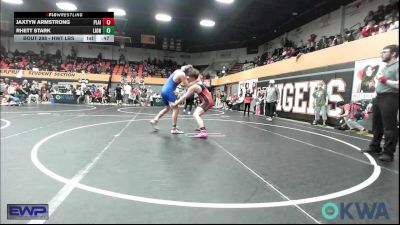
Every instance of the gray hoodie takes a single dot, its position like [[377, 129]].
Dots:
[[272, 94]]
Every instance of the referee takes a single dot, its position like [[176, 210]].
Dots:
[[386, 106]]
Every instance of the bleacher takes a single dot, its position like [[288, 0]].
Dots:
[[236, 68]]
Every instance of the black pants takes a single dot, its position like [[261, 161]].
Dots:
[[262, 108], [81, 99], [247, 107], [384, 122], [189, 102], [270, 109]]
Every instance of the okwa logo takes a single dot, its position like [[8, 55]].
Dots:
[[355, 210]]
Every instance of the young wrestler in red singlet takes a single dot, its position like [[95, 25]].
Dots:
[[207, 103]]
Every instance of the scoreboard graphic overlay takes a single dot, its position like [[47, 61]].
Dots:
[[64, 26]]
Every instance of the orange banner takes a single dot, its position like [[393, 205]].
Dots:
[[43, 75]]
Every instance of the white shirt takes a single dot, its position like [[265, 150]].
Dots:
[[394, 25], [127, 89], [11, 90], [102, 90], [83, 84]]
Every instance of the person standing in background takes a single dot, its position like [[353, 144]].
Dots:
[[218, 99], [272, 97], [127, 89], [262, 100], [320, 104], [34, 92], [223, 100], [152, 99], [259, 99], [118, 94], [189, 102], [2, 88], [386, 106], [248, 98]]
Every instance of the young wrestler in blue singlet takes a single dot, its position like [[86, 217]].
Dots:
[[169, 98]]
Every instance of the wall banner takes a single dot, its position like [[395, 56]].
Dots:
[[364, 81], [296, 89]]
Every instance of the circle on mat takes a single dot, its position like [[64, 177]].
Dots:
[[122, 110], [371, 179], [82, 108], [330, 211], [58, 97], [7, 124]]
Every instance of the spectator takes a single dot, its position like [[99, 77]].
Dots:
[[126, 91], [394, 6], [348, 36], [12, 89], [258, 102], [81, 93], [379, 15], [393, 23], [337, 40], [218, 99], [370, 17], [48, 87], [223, 99], [121, 59], [320, 104], [108, 96], [143, 98], [311, 46], [43, 93], [101, 88], [369, 30], [301, 46], [262, 100], [58, 54], [87, 95], [73, 52], [351, 114], [97, 96], [124, 75], [25, 90], [235, 102], [383, 26], [229, 102], [11, 95], [2, 88], [152, 99], [272, 97], [323, 43], [34, 92], [248, 98], [73, 90]]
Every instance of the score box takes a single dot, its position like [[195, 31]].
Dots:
[[108, 21], [108, 30], [104, 38]]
